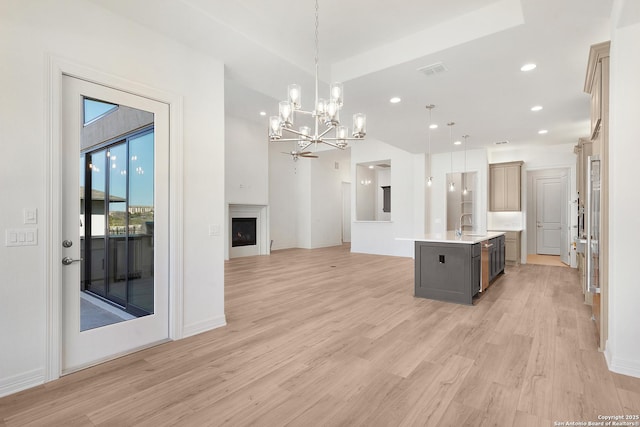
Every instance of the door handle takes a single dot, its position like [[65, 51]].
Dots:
[[68, 261]]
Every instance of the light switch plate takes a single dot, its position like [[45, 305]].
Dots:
[[21, 237], [11, 238], [214, 230], [30, 215]]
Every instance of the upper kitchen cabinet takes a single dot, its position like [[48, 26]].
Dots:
[[504, 186], [597, 85]]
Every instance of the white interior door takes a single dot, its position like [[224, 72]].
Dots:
[[564, 222], [127, 239], [549, 207]]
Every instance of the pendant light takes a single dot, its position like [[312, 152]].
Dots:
[[464, 175], [429, 107], [452, 185]]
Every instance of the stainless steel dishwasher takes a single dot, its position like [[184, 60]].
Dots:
[[484, 261]]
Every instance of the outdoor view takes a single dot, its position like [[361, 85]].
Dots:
[[117, 220]]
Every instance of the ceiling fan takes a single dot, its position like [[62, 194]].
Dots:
[[297, 154]]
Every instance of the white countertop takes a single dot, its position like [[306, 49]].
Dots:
[[508, 229], [450, 237]]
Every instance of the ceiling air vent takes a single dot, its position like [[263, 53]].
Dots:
[[433, 69]]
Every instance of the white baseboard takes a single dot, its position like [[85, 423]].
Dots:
[[21, 382], [625, 367], [283, 244], [607, 353], [622, 366], [204, 326]]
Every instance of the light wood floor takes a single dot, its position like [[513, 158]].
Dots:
[[326, 337]]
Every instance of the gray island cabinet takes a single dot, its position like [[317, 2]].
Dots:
[[455, 269]]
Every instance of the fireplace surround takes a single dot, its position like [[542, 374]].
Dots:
[[243, 238]]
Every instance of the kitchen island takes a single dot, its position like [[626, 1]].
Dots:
[[456, 268]]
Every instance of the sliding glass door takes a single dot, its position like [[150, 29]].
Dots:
[[118, 208]]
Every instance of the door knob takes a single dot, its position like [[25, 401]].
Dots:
[[68, 261]]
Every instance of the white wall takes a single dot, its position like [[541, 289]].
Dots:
[[246, 166], [326, 196], [85, 34], [246, 162], [305, 198], [285, 177], [302, 208], [623, 347], [441, 166], [407, 201], [365, 192], [537, 159]]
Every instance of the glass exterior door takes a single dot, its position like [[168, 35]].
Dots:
[[115, 222]]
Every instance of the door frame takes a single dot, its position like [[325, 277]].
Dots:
[[528, 245], [56, 67]]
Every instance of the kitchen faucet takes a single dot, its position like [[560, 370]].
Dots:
[[459, 229]]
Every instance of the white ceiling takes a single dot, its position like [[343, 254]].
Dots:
[[375, 49]]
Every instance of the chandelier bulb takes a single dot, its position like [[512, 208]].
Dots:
[[429, 181], [275, 128], [286, 114], [337, 93], [359, 125], [332, 117], [294, 93], [452, 186]]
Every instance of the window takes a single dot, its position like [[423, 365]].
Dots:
[[94, 109]]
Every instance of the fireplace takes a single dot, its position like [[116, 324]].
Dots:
[[243, 232], [248, 231]]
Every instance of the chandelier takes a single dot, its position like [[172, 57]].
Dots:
[[325, 116]]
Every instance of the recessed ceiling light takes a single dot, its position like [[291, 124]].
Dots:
[[263, 113], [457, 143], [528, 67], [543, 131], [501, 142], [433, 126], [536, 108], [370, 166], [395, 100]]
